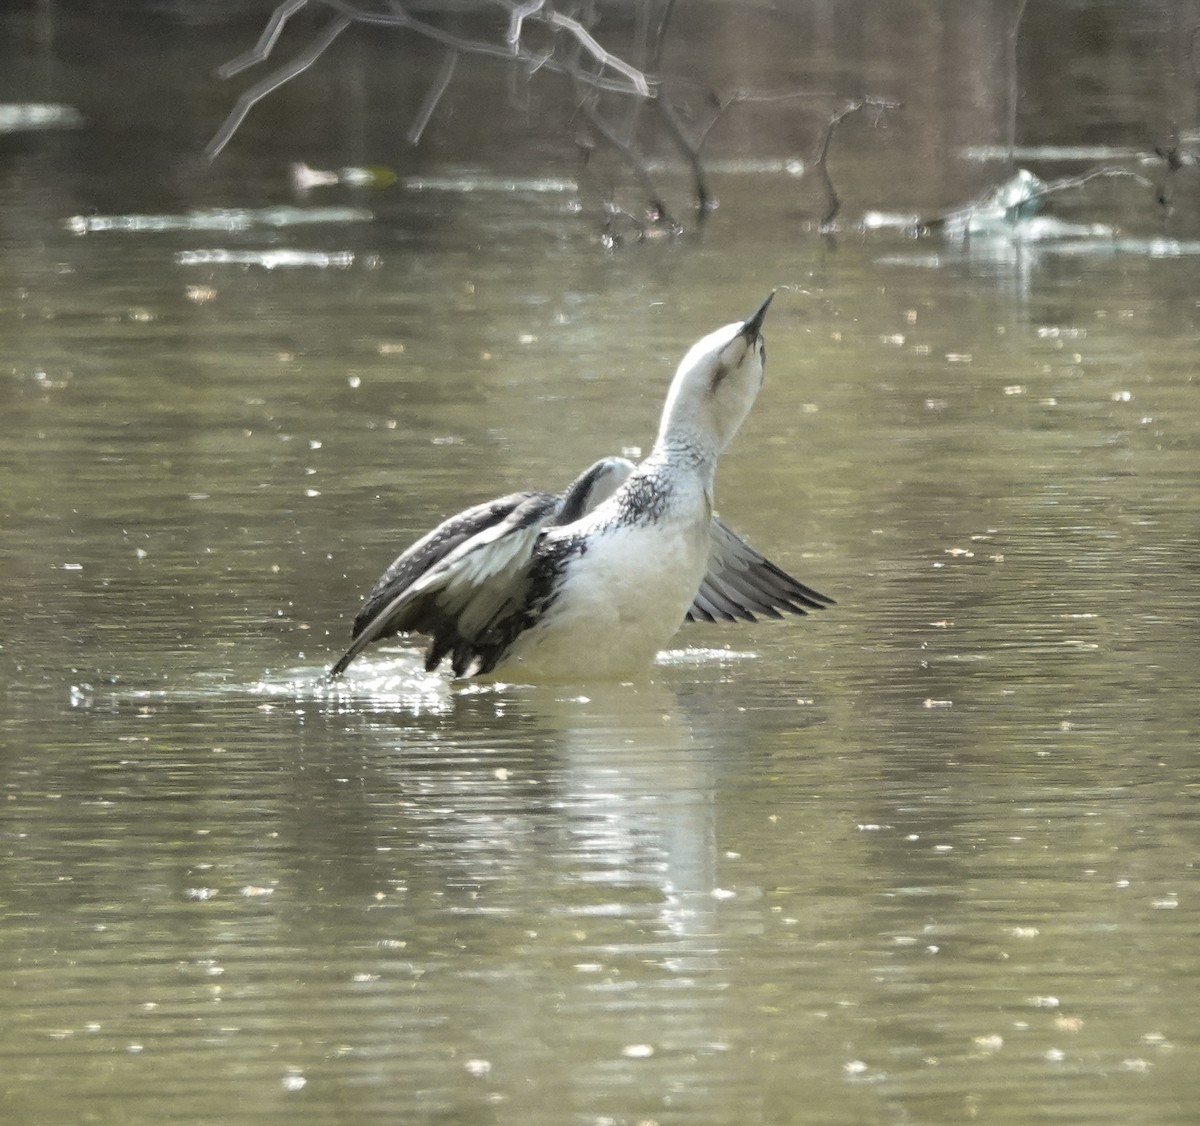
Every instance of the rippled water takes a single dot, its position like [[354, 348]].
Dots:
[[928, 856]]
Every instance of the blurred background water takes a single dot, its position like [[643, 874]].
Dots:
[[927, 857]]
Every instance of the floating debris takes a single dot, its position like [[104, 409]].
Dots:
[[22, 117], [218, 219], [1012, 210], [1009, 212], [267, 259], [1002, 211], [305, 178], [1007, 218]]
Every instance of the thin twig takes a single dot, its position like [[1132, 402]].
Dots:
[[266, 41], [432, 98], [612, 74], [657, 206], [722, 105], [1068, 183], [250, 98], [958, 220], [1014, 81], [825, 225], [638, 80], [660, 37], [518, 14], [399, 17], [705, 202]]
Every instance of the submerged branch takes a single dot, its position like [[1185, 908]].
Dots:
[[820, 159], [705, 201], [634, 159]]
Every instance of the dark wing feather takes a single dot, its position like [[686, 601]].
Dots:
[[464, 584], [432, 548], [741, 583], [454, 582]]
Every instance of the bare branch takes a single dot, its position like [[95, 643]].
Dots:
[[637, 79], [1014, 82], [669, 115], [1069, 183], [1001, 208], [612, 73], [660, 37], [272, 82], [518, 14], [819, 161], [432, 98], [266, 41], [658, 208], [399, 17], [721, 106], [705, 200]]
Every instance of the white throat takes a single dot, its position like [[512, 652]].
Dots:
[[714, 388]]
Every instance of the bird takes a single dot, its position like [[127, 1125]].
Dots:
[[591, 583]]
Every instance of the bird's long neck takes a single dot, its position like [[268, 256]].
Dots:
[[684, 453], [684, 464], [685, 440]]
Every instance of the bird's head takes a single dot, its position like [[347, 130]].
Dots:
[[714, 387]]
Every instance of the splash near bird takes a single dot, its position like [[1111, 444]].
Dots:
[[592, 582]]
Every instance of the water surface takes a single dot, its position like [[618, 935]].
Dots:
[[929, 856]]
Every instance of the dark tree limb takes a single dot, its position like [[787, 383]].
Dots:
[[656, 205], [820, 163], [705, 201]]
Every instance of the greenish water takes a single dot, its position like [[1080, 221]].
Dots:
[[928, 857]]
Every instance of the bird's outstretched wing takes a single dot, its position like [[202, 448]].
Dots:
[[465, 583], [452, 583], [741, 583], [432, 548]]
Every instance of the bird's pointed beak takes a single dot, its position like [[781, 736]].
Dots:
[[752, 327]]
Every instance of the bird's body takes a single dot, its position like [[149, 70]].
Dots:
[[591, 583], [621, 580]]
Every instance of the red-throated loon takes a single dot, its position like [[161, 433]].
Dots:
[[591, 583]]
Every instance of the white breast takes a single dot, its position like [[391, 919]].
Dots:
[[622, 599]]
